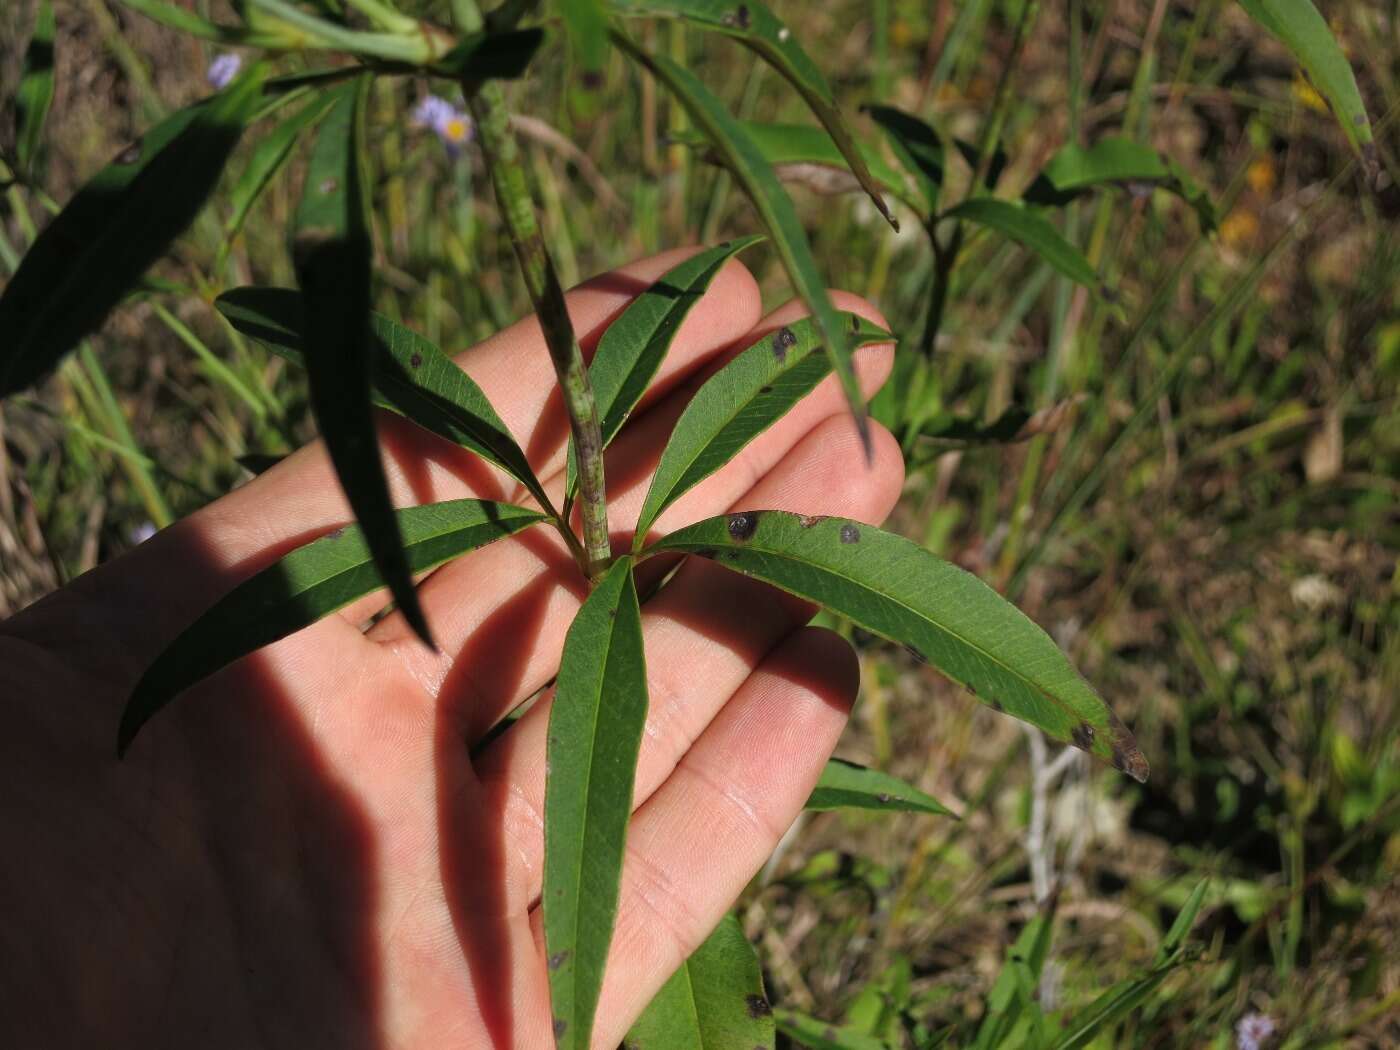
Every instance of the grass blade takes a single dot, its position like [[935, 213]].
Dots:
[[823, 1035], [635, 344], [586, 22], [845, 785], [331, 249], [895, 588], [35, 93], [309, 583], [715, 1000], [1111, 1007], [117, 225], [739, 402], [595, 733], [745, 161], [409, 376], [918, 148], [1032, 230], [757, 28]]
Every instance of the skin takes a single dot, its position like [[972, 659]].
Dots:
[[310, 849]]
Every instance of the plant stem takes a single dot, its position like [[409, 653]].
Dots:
[[487, 104]]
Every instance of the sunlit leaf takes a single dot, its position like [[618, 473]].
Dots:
[[752, 172], [309, 583], [895, 588], [595, 734], [714, 1001], [35, 93], [739, 402], [409, 376], [1014, 990], [1032, 230], [122, 221], [823, 1035], [331, 249], [845, 785], [1112, 1007]]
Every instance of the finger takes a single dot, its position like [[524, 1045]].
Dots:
[[704, 634], [707, 831], [496, 651]]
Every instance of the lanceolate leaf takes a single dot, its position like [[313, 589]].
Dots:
[[1015, 987], [117, 225], [714, 1001], [1304, 32], [758, 28], [823, 1035], [409, 376], [1075, 170], [845, 785], [918, 148], [1032, 230], [306, 585], [35, 93], [331, 249], [587, 24], [634, 345], [895, 588], [595, 733], [756, 176], [739, 402], [1112, 1007]]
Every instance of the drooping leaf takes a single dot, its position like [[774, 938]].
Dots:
[[1303, 30], [1013, 425], [895, 588], [845, 785], [739, 402], [409, 376], [634, 345], [35, 93], [755, 175], [331, 250], [918, 148], [1075, 170], [823, 1035], [586, 22], [714, 1001], [755, 26], [309, 583], [1032, 230], [595, 734], [122, 221]]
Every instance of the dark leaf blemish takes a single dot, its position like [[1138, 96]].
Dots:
[[560, 1027], [1083, 736], [742, 525], [884, 798], [558, 959], [416, 360], [758, 1006], [706, 552], [916, 654], [783, 341], [336, 534], [131, 154], [765, 390], [850, 534], [739, 17]]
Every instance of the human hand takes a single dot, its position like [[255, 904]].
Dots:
[[320, 846]]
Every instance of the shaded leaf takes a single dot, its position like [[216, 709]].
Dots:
[[745, 161], [409, 376], [822, 1035], [714, 1001], [586, 22], [493, 56], [755, 26], [1032, 230], [114, 228], [1015, 988], [331, 250], [739, 402], [634, 345], [918, 148], [895, 588], [35, 93], [1014, 425], [845, 785], [1111, 1007], [595, 734], [302, 587]]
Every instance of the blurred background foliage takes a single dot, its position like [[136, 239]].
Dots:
[[1225, 572]]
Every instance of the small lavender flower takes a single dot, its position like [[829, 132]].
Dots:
[[223, 69], [141, 533], [450, 124], [1253, 1031]]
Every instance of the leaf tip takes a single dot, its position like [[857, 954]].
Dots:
[[1126, 755]]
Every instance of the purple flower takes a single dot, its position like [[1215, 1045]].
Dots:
[[223, 69], [1253, 1031], [446, 121], [143, 532]]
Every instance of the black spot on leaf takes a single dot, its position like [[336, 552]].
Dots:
[[850, 534], [743, 525], [783, 341], [416, 360], [882, 797], [560, 1027], [758, 1006], [1083, 736], [558, 959]]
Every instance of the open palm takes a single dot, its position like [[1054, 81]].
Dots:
[[327, 844]]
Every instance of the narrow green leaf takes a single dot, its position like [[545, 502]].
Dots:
[[1185, 919], [823, 1035], [918, 148], [331, 250], [949, 617], [845, 785], [491, 56], [586, 22], [1013, 425], [1015, 987], [595, 734], [1032, 230], [634, 345], [309, 583], [1111, 1007], [756, 176], [1304, 31], [409, 376], [714, 1001], [1075, 170], [757, 28], [35, 93], [739, 402], [121, 222]]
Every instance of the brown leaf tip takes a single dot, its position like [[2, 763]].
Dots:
[[1127, 756]]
